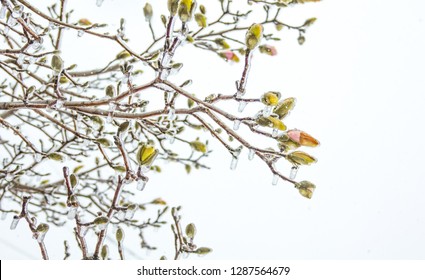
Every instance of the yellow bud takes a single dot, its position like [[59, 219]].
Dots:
[[270, 98], [284, 107], [271, 122], [253, 36], [122, 55], [306, 188], [84, 22], [199, 146], [201, 20], [300, 158], [146, 154], [159, 201], [186, 9]]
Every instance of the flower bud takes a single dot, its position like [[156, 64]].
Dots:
[[253, 36], [198, 146], [186, 9], [222, 43], [42, 228], [146, 154], [300, 158], [190, 230], [148, 11], [203, 251], [267, 49], [173, 6], [306, 188], [303, 138], [201, 20], [271, 122], [284, 107], [270, 98], [119, 235]]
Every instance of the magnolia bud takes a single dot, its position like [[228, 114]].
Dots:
[[306, 188], [300, 158], [148, 11], [146, 154], [270, 98], [284, 107], [253, 36], [186, 9]]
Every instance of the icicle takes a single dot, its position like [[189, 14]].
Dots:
[[3, 216], [164, 74], [251, 154], [141, 184], [242, 105], [6, 30], [101, 226], [275, 179], [171, 114], [294, 171], [130, 213], [267, 111], [15, 222], [99, 3], [275, 132], [170, 138], [234, 163], [80, 33], [236, 124], [72, 212], [3, 11]]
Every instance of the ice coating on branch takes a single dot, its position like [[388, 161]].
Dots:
[[3, 11], [267, 111], [171, 114], [72, 212]]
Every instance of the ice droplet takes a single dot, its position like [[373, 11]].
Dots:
[[102, 226], [242, 105], [3, 216], [17, 11], [267, 111], [164, 74], [275, 132], [294, 171], [141, 184], [15, 222], [234, 163], [59, 104], [72, 212], [236, 124], [99, 3], [120, 215], [112, 107], [37, 44], [9, 177], [251, 154], [80, 33], [11, 22], [275, 179]]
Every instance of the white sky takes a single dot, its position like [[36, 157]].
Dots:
[[360, 89]]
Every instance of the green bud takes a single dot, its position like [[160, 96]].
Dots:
[[57, 63], [284, 107], [300, 158], [198, 146], [123, 127], [42, 228], [306, 188], [84, 22], [173, 6], [119, 235], [104, 142], [73, 179], [253, 36], [56, 156], [123, 55], [203, 9], [203, 250], [105, 252], [110, 91], [270, 98], [148, 11], [201, 20], [101, 220], [120, 168], [190, 230]]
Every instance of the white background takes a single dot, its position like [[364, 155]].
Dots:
[[360, 89]]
